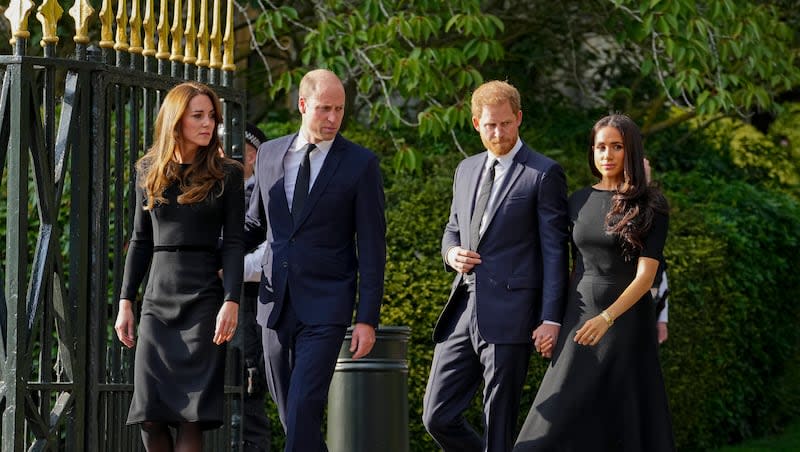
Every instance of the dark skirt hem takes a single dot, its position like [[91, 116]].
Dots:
[[204, 424]]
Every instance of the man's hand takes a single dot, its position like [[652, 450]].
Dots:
[[462, 260], [544, 339], [663, 332], [363, 340]]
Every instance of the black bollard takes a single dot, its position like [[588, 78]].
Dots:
[[368, 397]]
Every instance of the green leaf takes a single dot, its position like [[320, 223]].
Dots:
[[483, 51], [452, 22], [289, 12], [701, 99], [477, 78], [365, 83], [646, 67], [673, 22], [662, 25], [669, 47]]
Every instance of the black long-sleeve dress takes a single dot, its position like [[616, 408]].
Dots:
[[178, 370], [611, 396]]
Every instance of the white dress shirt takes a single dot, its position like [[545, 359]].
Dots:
[[504, 163], [252, 263], [293, 158]]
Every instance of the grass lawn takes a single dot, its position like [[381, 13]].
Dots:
[[788, 441]]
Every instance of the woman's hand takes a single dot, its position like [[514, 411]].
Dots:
[[125, 325], [592, 331], [227, 319]]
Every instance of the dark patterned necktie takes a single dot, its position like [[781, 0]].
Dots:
[[484, 193], [302, 183]]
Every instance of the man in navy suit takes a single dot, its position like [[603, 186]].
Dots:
[[319, 199], [506, 239]]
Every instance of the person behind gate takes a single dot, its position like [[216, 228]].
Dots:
[[319, 200], [255, 424], [187, 195], [506, 239]]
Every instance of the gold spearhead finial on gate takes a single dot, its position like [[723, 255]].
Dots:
[[49, 13], [177, 32], [190, 35], [106, 21], [80, 12], [163, 32], [122, 26], [202, 36], [17, 13], [216, 38], [149, 29], [227, 58], [136, 28]]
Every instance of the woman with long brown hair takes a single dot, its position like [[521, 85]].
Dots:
[[187, 196], [604, 390]]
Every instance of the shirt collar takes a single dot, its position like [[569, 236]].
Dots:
[[300, 142], [506, 160]]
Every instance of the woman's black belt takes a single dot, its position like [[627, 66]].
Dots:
[[173, 248]]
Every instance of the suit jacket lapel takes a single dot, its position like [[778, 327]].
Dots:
[[473, 175], [508, 181], [278, 191], [323, 178]]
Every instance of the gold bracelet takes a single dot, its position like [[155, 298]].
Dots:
[[605, 315]]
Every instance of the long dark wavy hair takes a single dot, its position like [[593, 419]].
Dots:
[[635, 201]]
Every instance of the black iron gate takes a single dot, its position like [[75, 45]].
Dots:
[[70, 132]]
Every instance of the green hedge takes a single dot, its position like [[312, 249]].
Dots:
[[732, 249]]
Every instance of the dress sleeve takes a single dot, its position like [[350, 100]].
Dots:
[[232, 252], [140, 249], [654, 242]]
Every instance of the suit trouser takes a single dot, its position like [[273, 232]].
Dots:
[[300, 360], [460, 363]]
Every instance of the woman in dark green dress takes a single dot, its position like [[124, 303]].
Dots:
[[187, 196], [604, 390]]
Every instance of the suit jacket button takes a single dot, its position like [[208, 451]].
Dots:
[[284, 264]]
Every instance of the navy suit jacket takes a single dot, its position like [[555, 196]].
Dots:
[[522, 278], [337, 248]]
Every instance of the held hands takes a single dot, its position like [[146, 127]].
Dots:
[[544, 339], [462, 260], [124, 326], [363, 340], [592, 331], [227, 318]]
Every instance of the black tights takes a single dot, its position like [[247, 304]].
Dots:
[[157, 437]]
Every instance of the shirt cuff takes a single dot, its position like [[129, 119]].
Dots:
[[550, 322], [450, 258]]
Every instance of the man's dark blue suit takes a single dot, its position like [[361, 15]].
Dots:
[[313, 268], [483, 334]]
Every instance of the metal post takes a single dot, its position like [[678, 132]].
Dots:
[[15, 373]]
